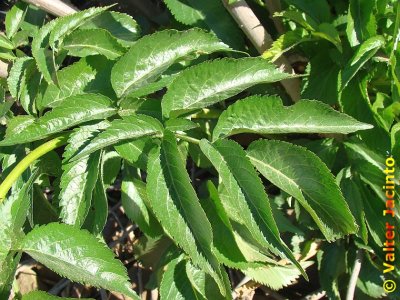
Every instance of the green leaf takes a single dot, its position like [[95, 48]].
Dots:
[[144, 63], [98, 212], [13, 213], [363, 54], [34, 19], [14, 79], [135, 202], [211, 82], [7, 54], [323, 88], [79, 178], [78, 255], [88, 75], [85, 42], [176, 206], [354, 199], [125, 129], [303, 175], [284, 43], [276, 277], [120, 25], [180, 125], [74, 111], [209, 15], [376, 138], [6, 43], [361, 23], [331, 264], [203, 283], [8, 267], [298, 17], [14, 18], [267, 115], [371, 281], [246, 202], [40, 295], [77, 183], [81, 137], [44, 57], [395, 141], [175, 283], [328, 32], [136, 152], [318, 10], [227, 246], [65, 25], [23, 82]]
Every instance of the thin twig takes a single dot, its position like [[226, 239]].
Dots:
[[318, 294], [3, 69], [154, 294], [354, 275], [274, 6], [261, 40], [59, 286], [103, 294], [272, 293]]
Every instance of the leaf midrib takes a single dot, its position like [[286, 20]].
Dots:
[[75, 45]]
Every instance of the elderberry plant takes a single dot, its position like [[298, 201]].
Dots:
[[89, 99]]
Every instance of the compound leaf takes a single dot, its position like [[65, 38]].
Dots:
[[78, 255], [211, 82], [144, 63], [303, 175], [267, 115]]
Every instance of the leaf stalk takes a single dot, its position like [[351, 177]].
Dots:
[[187, 138], [6, 185]]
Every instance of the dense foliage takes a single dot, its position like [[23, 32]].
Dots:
[[90, 99]]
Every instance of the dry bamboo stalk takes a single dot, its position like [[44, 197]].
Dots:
[[54, 7], [261, 39], [274, 6], [3, 69]]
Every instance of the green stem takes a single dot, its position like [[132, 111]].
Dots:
[[187, 138], [207, 113], [6, 185]]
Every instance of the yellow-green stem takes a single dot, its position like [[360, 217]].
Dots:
[[6, 185], [187, 138]]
